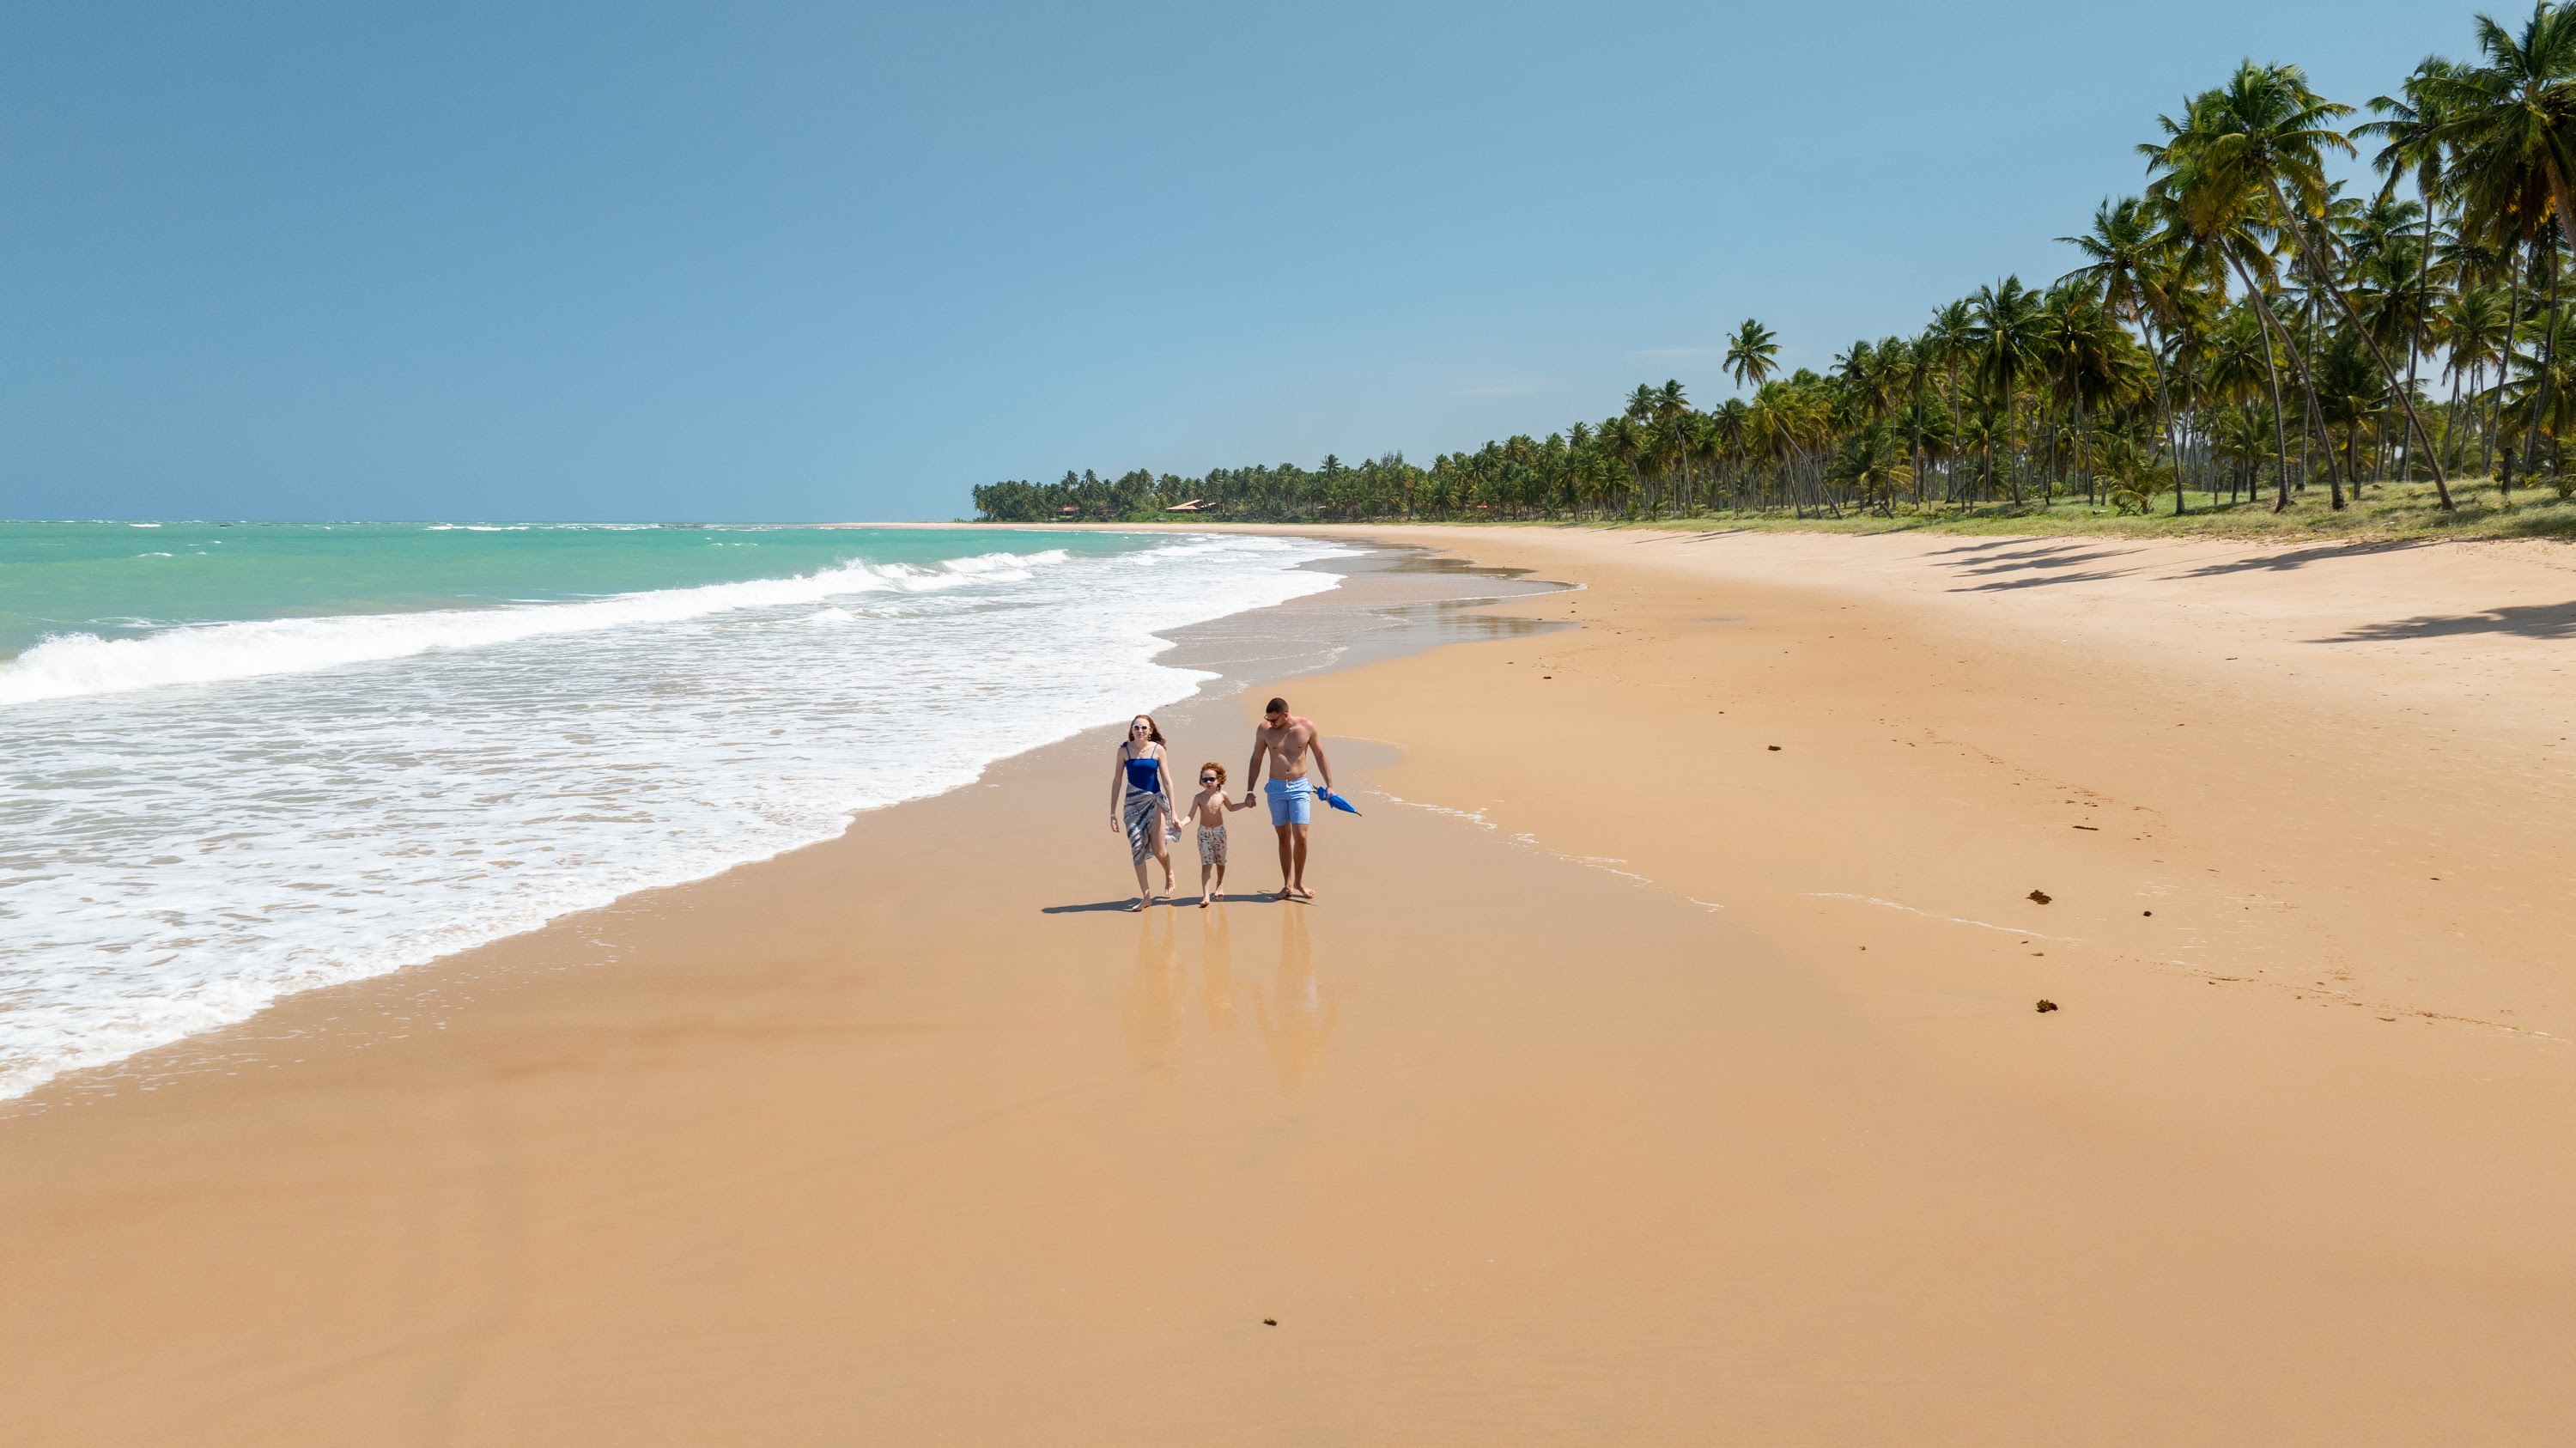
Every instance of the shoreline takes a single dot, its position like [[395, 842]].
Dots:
[[1514, 1134], [306, 913]]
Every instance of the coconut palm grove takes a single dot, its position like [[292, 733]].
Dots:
[[2248, 331]]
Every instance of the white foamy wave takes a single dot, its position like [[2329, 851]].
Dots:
[[69, 665], [1006, 562]]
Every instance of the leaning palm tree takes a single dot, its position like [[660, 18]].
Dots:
[[1752, 354], [2510, 124], [2215, 218], [2263, 138]]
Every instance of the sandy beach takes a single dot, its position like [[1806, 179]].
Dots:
[[1660, 1064]]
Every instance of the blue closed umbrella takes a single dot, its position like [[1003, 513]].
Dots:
[[1339, 803]]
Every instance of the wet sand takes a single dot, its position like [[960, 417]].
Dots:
[[1632, 1081]]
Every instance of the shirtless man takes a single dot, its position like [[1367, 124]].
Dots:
[[1285, 740]]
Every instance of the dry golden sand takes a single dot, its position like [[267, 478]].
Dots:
[[1635, 1084]]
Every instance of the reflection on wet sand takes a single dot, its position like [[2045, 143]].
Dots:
[[1296, 1011], [1153, 1013], [1296, 1015], [1216, 970]]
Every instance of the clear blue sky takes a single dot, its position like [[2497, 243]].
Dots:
[[812, 261]]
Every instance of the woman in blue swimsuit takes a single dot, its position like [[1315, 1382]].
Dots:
[[1141, 804]]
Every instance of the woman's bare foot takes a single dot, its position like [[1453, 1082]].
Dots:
[[1305, 894], [1203, 901], [1285, 895], [1139, 905]]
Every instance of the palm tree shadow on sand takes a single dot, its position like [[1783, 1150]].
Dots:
[[2531, 621]]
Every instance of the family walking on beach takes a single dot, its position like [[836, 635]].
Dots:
[[1140, 801]]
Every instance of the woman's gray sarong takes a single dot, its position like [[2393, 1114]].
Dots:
[[1138, 810]]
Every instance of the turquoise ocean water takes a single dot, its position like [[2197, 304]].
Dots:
[[242, 760], [123, 580]]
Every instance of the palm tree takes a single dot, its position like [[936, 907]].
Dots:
[[2238, 368], [1720, 442], [2262, 138], [2004, 330], [2510, 124], [2411, 125], [2095, 357], [1661, 417], [2236, 437], [1624, 442], [2472, 335], [1752, 354], [2543, 403], [1901, 372], [2127, 256], [1673, 413], [2350, 392], [1584, 474], [1858, 369], [1873, 463], [1646, 453], [2215, 217], [1945, 344]]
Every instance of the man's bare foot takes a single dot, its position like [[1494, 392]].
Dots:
[[1305, 894], [1139, 905], [1285, 894]]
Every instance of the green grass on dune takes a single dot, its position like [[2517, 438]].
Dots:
[[2385, 512]]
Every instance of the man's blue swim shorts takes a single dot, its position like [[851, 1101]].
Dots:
[[1292, 801]]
